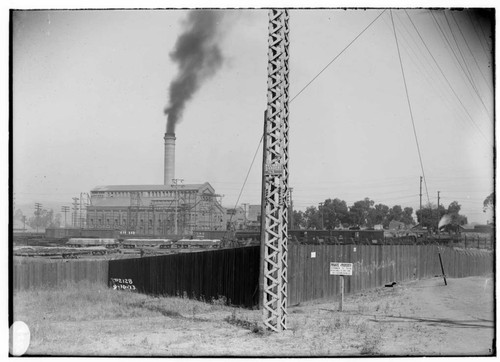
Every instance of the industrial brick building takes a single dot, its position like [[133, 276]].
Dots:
[[168, 210], [156, 210]]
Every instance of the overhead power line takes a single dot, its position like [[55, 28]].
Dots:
[[472, 54], [470, 78], [447, 81], [304, 88], [336, 57], [409, 107]]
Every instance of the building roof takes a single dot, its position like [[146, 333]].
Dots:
[[121, 188]]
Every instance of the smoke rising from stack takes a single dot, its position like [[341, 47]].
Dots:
[[445, 220], [198, 56]]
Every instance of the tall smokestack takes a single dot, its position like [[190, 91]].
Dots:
[[169, 171]]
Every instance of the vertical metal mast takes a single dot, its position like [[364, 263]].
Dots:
[[276, 175]]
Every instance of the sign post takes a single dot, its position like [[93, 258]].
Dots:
[[341, 306], [341, 269]]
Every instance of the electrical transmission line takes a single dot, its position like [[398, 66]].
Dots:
[[304, 88], [446, 79], [409, 107]]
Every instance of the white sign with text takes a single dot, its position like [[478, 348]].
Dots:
[[340, 268]]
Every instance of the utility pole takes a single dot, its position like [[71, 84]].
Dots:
[[275, 239], [245, 215], [38, 207], [322, 220], [175, 184], [420, 195], [438, 213], [80, 219], [65, 209], [290, 212], [75, 210]]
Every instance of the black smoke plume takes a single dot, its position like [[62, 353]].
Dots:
[[198, 56]]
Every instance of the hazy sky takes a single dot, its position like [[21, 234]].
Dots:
[[89, 89]]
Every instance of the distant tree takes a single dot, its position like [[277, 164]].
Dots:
[[378, 215], [299, 221], [407, 217], [57, 221], [395, 213], [44, 220], [430, 215], [334, 212], [489, 203], [312, 218], [360, 211], [18, 215], [454, 212]]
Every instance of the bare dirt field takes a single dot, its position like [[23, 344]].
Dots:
[[418, 318]]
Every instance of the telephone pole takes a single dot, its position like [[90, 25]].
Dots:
[[38, 207], [322, 220], [65, 209], [420, 194], [75, 210], [80, 219], [438, 213]]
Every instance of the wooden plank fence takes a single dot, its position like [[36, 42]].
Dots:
[[40, 274], [234, 273], [374, 266], [230, 273]]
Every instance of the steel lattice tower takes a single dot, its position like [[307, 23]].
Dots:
[[275, 237]]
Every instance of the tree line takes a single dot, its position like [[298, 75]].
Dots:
[[44, 218], [335, 213]]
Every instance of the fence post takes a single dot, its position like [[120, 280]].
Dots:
[[341, 293], [442, 268]]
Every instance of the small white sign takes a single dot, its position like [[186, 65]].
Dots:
[[354, 249], [313, 254], [274, 169], [340, 268]]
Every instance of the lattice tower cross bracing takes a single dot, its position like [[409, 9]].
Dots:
[[275, 237]]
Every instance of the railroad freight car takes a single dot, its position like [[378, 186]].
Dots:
[[337, 236], [152, 243], [86, 242], [66, 233], [247, 236], [198, 243], [214, 234]]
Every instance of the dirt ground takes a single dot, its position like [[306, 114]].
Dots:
[[418, 318]]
